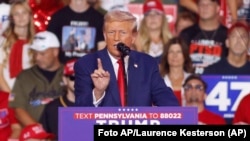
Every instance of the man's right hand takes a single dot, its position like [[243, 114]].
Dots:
[[100, 79]]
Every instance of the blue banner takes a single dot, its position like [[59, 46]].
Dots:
[[77, 123], [225, 92]]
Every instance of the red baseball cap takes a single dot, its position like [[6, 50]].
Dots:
[[69, 67], [238, 25], [153, 5], [35, 131]]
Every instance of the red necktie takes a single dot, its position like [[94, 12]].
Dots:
[[121, 82]]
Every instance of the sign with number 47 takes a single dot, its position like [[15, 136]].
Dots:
[[225, 92]]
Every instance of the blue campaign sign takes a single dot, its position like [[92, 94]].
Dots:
[[225, 92], [77, 123]]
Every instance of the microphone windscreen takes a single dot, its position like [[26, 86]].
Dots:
[[123, 48]]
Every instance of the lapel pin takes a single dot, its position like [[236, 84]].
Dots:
[[135, 65]]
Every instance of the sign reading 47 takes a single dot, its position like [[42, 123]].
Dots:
[[225, 92]]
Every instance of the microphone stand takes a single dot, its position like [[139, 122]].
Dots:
[[125, 78], [124, 50]]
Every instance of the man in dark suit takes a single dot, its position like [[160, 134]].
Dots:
[[96, 73]]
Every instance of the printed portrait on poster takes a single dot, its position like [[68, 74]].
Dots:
[[78, 40]]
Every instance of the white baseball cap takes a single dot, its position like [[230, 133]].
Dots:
[[44, 40]]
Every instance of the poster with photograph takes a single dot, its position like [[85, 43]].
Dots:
[[78, 41]]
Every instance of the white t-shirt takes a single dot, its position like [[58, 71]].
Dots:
[[155, 49], [26, 63], [169, 84]]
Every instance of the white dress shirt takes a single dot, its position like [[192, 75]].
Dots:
[[115, 65]]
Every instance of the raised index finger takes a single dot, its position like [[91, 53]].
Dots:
[[99, 63]]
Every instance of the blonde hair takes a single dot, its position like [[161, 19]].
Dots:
[[143, 40], [10, 34], [120, 16]]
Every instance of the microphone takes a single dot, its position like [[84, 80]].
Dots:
[[125, 50]]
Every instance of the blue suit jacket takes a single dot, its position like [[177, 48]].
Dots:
[[145, 84]]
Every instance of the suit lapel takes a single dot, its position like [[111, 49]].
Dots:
[[108, 66], [132, 78]]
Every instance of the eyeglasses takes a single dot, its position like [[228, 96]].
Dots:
[[71, 77], [196, 87]]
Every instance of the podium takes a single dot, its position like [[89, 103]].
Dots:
[[77, 123]]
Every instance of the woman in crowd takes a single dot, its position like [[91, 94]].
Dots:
[[176, 66], [154, 29], [14, 51]]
